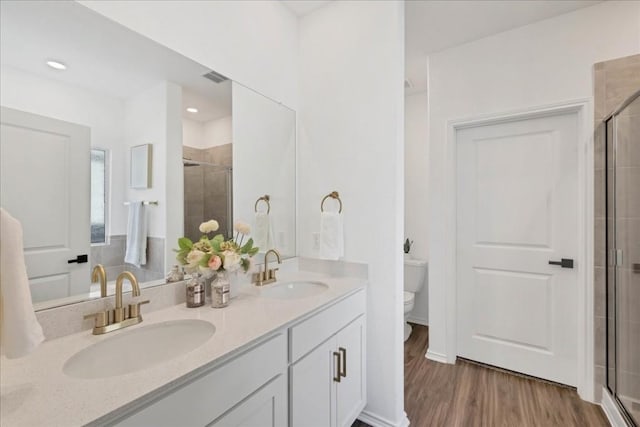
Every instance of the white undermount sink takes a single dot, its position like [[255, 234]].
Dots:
[[293, 289], [138, 349]]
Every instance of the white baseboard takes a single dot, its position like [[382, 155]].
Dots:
[[436, 357], [377, 421], [419, 320], [611, 410]]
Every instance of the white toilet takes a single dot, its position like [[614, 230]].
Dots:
[[415, 271]]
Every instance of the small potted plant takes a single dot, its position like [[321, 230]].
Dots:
[[407, 248]]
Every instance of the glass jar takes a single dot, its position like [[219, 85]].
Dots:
[[195, 291], [175, 275], [220, 290]]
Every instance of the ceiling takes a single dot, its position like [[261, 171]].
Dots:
[[435, 25], [30, 33], [101, 55]]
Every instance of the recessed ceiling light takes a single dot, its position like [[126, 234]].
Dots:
[[57, 65], [192, 110]]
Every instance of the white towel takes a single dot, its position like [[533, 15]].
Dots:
[[331, 236], [136, 253], [20, 332], [262, 232]]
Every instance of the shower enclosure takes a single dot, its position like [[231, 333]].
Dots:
[[623, 264], [207, 195]]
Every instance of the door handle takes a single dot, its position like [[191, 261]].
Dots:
[[336, 357], [343, 359], [564, 263], [80, 259], [636, 268]]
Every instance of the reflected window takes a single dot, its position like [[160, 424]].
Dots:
[[99, 196]]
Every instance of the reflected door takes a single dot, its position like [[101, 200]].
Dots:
[[45, 184], [516, 222]]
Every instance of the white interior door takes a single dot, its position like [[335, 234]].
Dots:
[[517, 208], [45, 184]]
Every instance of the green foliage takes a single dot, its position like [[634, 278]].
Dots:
[[185, 243], [247, 247], [215, 247]]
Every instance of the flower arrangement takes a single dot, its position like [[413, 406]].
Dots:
[[217, 254]]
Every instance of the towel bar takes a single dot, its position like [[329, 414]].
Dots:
[[265, 199], [333, 195], [152, 202]]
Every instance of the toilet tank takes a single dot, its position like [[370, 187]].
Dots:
[[415, 272]]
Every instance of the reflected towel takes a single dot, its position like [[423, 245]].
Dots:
[[262, 232], [331, 236], [136, 253], [20, 332]]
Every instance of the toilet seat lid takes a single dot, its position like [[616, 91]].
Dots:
[[408, 297]]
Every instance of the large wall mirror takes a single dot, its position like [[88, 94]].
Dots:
[[78, 93]]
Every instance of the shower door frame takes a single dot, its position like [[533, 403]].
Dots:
[[610, 213]]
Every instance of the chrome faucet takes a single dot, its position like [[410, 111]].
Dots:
[[268, 275], [99, 274], [118, 318]]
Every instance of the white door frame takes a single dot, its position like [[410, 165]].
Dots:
[[583, 109]]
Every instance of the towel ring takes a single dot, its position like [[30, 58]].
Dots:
[[265, 199], [333, 195]]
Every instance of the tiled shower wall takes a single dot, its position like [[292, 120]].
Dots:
[[614, 81], [111, 256], [206, 194]]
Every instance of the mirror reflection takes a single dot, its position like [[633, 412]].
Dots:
[[75, 103]]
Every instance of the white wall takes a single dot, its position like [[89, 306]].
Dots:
[[416, 178], [102, 113], [350, 139], [251, 42], [218, 132], [192, 133], [151, 117], [543, 63], [207, 134]]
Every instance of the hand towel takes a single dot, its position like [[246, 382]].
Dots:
[[136, 253], [20, 332], [331, 236], [262, 232]]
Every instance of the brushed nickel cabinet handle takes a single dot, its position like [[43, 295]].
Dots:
[[336, 357], [343, 358]]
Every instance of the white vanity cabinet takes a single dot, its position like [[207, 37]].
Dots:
[[311, 374], [328, 387], [248, 390]]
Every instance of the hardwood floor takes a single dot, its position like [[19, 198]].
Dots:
[[467, 394]]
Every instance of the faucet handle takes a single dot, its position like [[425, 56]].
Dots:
[[272, 273], [258, 277], [101, 318], [134, 309]]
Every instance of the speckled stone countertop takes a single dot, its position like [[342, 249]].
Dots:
[[34, 391]]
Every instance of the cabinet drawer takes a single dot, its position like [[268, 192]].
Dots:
[[208, 397], [306, 335]]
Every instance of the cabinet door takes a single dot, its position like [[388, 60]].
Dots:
[[312, 388], [265, 408], [351, 391]]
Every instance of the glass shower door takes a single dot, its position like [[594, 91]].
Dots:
[[623, 284]]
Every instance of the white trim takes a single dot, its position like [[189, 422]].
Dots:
[[611, 410], [419, 320], [584, 259], [377, 421], [437, 357]]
